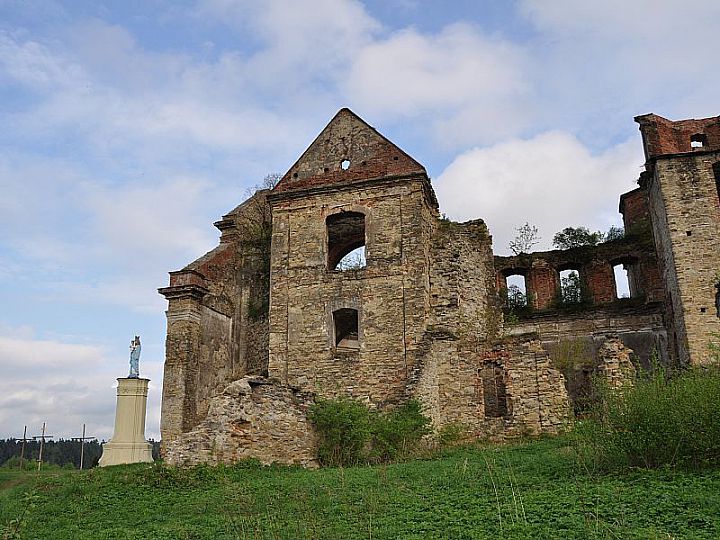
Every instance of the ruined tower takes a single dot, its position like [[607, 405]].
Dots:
[[351, 331], [682, 182]]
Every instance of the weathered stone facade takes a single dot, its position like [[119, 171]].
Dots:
[[275, 317], [682, 182]]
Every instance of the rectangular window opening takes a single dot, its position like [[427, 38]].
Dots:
[[346, 333]]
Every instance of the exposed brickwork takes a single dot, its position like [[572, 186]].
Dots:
[[662, 136], [347, 137], [595, 266]]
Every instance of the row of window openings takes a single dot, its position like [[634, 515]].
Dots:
[[570, 286]]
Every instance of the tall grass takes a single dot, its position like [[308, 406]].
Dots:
[[665, 419]]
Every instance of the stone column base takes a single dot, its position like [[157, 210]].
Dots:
[[128, 444], [118, 453]]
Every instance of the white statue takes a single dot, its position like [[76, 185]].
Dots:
[[135, 358]]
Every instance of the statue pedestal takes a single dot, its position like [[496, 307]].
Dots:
[[128, 444]]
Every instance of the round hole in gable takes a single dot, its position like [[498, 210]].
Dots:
[[295, 175], [345, 164]]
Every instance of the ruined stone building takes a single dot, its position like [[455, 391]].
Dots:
[[277, 314]]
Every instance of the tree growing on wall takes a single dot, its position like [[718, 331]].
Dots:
[[527, 237], [573, 237], [254, 225]]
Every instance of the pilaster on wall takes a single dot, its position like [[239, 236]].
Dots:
[[182, 349]]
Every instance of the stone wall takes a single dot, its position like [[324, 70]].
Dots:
[[212, 338], [252, 418], [615, 363], [390, 293], [685, 209]]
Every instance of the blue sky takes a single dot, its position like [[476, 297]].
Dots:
[[129, 127]]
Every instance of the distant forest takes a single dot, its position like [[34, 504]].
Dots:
[[63, 453]]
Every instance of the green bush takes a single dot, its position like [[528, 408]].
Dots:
[[398, 432], [344, 429], [350, 433], [663, 420]]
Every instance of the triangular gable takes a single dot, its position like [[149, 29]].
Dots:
[[347, 137]]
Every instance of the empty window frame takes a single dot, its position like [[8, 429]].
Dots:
[[492, 377], [516, 286], [345, 323], [698, 141], [571, 288], [622, 280], [346, 241]]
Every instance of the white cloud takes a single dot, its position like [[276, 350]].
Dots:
[[464, 81], [551, 181], [600, 62]]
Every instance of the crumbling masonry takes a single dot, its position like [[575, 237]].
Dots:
[[280, 313]]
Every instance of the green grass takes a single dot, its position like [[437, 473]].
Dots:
[[533, 490]]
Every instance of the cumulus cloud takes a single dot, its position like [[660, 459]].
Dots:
[[470, 85], [551, 181]]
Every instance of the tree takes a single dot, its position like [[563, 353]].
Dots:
[[527, 237], [571, 289], [573, 237], [516, 299], [614, 233]]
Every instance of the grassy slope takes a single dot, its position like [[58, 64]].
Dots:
[[529, 491]]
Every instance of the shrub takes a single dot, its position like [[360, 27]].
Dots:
[[350, 433], [343, 426], [398, 432], [664, 420]]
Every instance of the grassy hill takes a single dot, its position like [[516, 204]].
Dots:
[[533, 490]]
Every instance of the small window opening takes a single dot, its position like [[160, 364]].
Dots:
[[516, 291], [717, 300], [346, 241], [622, 281], [688, 233], [703, 310], [345, 321], [570, 287], [345, 164], [716, 172], [494, 391], [698, 140]]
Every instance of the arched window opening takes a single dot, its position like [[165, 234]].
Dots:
[[622, 280], [698, 140], [570, 287], [345, 323], [346, 241], [516, 291], [494, 390]]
